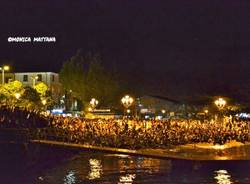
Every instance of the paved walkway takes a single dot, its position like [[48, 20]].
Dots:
[[187, 152]]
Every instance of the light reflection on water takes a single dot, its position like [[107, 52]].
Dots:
[[70, 178], [123, 169], [95, 169], [223, 177], [127, 179], [42, 167]]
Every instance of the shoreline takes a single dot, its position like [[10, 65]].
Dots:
[[230, 144], [199, 152]]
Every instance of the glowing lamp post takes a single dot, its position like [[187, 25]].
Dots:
[[127, 101], [44, 102], [93, 103], [163, 112], [206, 113], [4, 68], [34, 78], [17, 95], [220, 103]]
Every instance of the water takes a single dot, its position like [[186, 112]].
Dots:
[[51, 165]]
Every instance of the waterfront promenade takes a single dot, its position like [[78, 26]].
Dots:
[[186, 152], [199, 151], [185, 139]]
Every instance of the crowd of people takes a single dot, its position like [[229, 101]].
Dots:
[[125, 133], [15, 117]]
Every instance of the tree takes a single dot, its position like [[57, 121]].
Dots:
[[72, 76], [15, 94], [101, 84], [44, 93], [31, 98], [9, 90], [41, 88], [83, 77]]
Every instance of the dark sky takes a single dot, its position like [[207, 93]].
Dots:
[[167, 46]]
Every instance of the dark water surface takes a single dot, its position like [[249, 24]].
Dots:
[[52, 165]]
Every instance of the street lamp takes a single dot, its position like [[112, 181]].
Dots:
[[220, 103], [4, 68], [34, 78], [93, 103], [44, 102], [17, 95], [127, 101]]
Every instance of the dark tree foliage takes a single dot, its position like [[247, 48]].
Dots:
[[72, 76], [84, 77], [31, 95], [101, 84]]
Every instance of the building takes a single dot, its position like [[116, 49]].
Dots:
[[51, 79], [7, 77], [157, 105]]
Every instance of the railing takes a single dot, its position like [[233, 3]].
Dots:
[[54, 134], [14, 135], [24, 135]]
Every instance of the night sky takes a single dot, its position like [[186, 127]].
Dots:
[[167, 47]]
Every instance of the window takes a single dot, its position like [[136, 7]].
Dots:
[[25, 78], [53, 78], [39, 77]]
